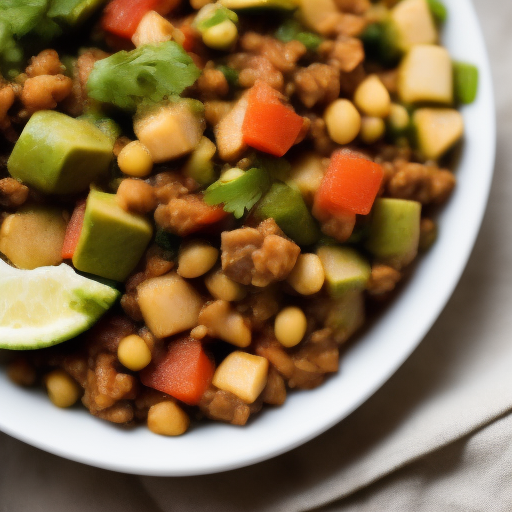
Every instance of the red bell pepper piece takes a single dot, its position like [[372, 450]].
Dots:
[[350, 184], [184, 372], [121, 17], [269, 125], [73, 230]]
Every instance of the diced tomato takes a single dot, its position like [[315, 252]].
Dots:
[[269, 125], [350, 184], [121, 17], [73, 230], [184, 372]]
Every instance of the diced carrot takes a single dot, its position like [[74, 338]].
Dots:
[[350, 184], [185, 371], [269, 126], [73, 230], [121, 17]]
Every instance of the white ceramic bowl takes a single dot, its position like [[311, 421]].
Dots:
[[28, 415]]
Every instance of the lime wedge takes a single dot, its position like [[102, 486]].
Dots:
[[48, 305]]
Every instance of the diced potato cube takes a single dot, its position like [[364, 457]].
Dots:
[[306, 174], [438, 129], [320, 15], [228, 132], [225, 323], [33, 237], [169, 304], [426, 74], [413, 23], [171, 131], [242, 374], [154, 29]]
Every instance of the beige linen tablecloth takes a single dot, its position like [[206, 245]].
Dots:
[[436, 437]]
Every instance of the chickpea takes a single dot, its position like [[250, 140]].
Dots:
[[167, 419], [372, 97], [133, 353], [221, 36], [136, 196], [62, 390], [290, 326], [372, 129], [135, 160], [195, 258], [307, 277], [343, 121], [398, 117], [223, 288]]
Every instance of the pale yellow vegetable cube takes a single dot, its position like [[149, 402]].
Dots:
[[154, 29], [169, 304], [228, 132], [170, 131], [438, 129], [426, 75], [413, 23], [225, 323], [321, 16], [307, 174], [242, 374], [33, 237]]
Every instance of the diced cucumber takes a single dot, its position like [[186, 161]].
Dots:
[[108, 126], [413, 24], [380, 43], [200, 166], [437, 130], [394, 231], [426, 75], [286, 206], [345, 269], [465, 82]]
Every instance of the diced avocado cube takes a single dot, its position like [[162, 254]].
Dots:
[[73, 12], [256, 5], [57, 154], [345, 269], [426, 75], [413, 23], [286, 206], [437, 130], [346, 315], [200, 166], [394, 231], [112, 240]]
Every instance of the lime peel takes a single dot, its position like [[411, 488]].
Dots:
[[48, 305]]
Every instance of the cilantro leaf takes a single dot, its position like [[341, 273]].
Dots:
[[240, 194], [292, 30], [150, 72]]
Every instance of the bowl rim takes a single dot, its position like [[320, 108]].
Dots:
[[203, 450]]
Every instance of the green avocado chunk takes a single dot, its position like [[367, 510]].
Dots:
[[73, 12], [345, 269], [287, 207], [394, 231], [57, 154], [112, 240]]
